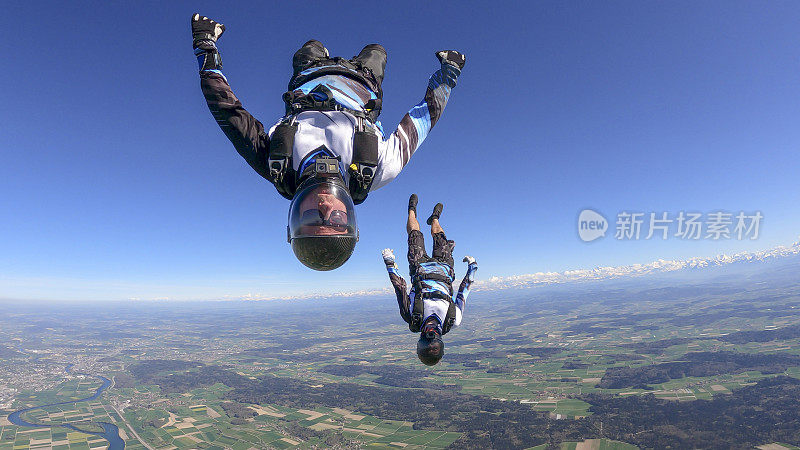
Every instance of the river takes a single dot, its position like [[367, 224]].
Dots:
[[110, 431]]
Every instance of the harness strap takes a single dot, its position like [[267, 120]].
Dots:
[[422, 275], [279, 160], [364, 161], [450, 319], [434, 277], [417, 315]]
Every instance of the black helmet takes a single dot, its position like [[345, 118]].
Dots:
[[322, 222], [430, 348]]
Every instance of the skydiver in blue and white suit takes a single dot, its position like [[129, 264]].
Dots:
[[328, 151], [429, 307]]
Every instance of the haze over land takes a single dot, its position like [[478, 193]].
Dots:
[[674, 268], [708, 357]]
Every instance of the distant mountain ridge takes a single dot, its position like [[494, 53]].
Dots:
[[660, 266]]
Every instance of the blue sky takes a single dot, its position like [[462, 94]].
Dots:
[[116, 183]]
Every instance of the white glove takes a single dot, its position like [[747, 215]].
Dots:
[[470, 260], [388, 256]]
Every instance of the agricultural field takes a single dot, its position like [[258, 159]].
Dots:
[[586, 367], [20, 438]]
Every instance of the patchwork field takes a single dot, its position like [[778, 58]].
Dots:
[[584, 368]]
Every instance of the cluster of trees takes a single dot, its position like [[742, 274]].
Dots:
[[656, 347], [155, 423], [124, 380], [755, 415], [697, 364], [175, 376], [388, 375], [238, 412], [743, 337], [571, 365], [152, 367]]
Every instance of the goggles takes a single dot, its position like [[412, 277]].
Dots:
[[313, 217]]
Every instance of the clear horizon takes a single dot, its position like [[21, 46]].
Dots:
[[523, 281]]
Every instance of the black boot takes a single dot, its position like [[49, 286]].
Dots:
[[373, 57], [412, 203], [437, 211], [311, 52]]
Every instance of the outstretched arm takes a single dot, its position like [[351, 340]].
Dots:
[[398, 283], [417, 123], [463, 290], [244, 131]]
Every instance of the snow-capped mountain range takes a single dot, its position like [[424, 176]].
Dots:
[[655, 267], [661, 266]]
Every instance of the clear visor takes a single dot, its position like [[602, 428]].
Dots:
[[322, 209]]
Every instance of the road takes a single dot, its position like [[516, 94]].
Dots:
[[128, 425]]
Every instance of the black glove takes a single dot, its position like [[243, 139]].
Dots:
[[452, 63], [452, 58], [205, 33], [205, 29]]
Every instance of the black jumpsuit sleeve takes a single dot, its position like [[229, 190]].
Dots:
[[245, 132], [403, 302]]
